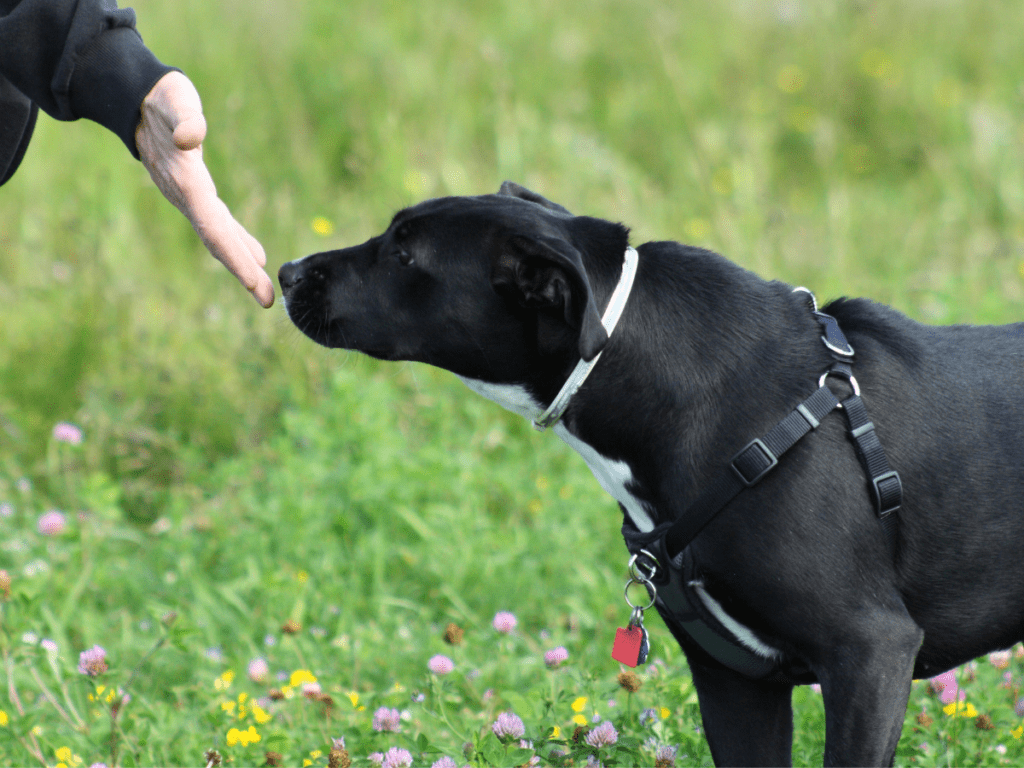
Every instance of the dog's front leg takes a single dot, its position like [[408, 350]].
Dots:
[[866, 683], [746, 722]]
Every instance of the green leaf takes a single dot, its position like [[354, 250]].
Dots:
[[102, 496], [278, 741], [491, 750], [522, 705], [517, 756]]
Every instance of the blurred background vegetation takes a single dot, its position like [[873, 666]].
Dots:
[[858, 148]]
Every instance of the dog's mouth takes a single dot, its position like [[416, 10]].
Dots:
[[335, 333]]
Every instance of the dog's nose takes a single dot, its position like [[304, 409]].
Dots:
[[289, 275]]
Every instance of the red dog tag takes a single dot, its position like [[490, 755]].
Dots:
[[628, 641]]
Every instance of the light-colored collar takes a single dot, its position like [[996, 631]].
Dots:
[[612, 313]]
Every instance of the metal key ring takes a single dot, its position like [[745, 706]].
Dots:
[[634, 569], [652, 592]]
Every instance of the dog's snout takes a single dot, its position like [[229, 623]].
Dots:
[[290, 275]]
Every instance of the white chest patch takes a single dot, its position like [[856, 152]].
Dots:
[[614, 476]]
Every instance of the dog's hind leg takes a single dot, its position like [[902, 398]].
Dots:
[[746, 722], [865, 682]]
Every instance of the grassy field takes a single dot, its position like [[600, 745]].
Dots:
[[240, 494]]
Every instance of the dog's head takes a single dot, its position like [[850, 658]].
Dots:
[[482, 286]]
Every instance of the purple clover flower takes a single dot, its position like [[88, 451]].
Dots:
[[604, 735], [440, 664], [505, 622], [947, 687], [508, 726], [389, 720], [52, 523], [312, 691], [444, 762], [93, 662], [65, 432], [258, 670], [1000, 659], [666, 755], [556, 657], [397, 758]]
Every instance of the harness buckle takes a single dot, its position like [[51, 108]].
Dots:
[[889, 498], [753, 462]]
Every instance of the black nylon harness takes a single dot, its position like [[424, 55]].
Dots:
[[663, 552]]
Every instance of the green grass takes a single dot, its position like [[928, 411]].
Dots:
[[239, 476]]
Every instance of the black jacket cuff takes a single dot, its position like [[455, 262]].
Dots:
[[111, 78]]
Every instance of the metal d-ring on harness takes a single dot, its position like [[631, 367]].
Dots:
[[675, 594]]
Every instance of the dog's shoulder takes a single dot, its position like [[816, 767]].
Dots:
[[864, 319]]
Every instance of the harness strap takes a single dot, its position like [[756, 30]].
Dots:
[[748, 467], [886, 487], [675, 599]]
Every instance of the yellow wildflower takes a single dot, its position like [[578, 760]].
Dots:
[[302, 577], [260, 715], [577, 707], [1017, 732], [223, 682], [315, 754], [228, 706], [306, 762], [245, 738], [300, 676], [4, 719], [962, 708], [664, 712], [354, 698], [65, 756], [556, 733], [323, 226]]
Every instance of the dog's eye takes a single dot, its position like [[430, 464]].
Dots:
[[404, 257]]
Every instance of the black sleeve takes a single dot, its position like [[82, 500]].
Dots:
[[72, 59]]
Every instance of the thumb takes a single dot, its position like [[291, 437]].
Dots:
[[190, 132]]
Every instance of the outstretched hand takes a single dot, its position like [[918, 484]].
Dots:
[[169, 139]]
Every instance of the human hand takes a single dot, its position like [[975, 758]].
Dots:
[[169, 139]]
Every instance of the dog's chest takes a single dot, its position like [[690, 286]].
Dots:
[[615, 477]]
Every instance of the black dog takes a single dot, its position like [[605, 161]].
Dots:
[[507, 292]]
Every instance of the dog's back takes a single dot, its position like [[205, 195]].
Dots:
[[948, 402]]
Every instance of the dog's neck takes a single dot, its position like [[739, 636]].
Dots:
[[612, 313], [660, 412]]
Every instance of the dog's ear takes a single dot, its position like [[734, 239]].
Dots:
[[511, 189], [548, 272]]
